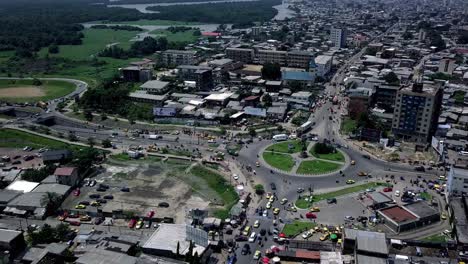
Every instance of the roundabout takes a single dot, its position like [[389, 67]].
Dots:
[[296, 157]]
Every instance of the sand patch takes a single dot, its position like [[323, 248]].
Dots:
[[22, 91]]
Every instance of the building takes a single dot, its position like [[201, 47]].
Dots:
[[105, 256], [300, 100], [458, 210], [276, 112], [219, 99], [365, 243], [155, 87], [304, 79], [359, 101], [239, 54], [338, 37], [384, 97], [256, 31], [408, 217], [324, 64], [299, 58], [178, 57], [457, 181], [136, 74], [416, 114], [271, 56], [67, 176], [53, 156], [447, 65], [12, 241], [201, 75]]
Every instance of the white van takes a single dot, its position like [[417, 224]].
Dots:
[[280, 137], [252, 237]]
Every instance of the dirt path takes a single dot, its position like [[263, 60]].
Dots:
[[22, 91]]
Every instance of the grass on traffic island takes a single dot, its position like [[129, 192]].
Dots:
[[337, 156], [437, 238], [302, 203], [296, 227], [280, 161], [317, 167], [283, 147]]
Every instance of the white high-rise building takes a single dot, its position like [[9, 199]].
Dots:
[[338, 37]]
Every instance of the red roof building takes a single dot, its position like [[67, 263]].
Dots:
[[67, 175]]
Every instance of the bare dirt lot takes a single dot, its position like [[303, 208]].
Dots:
[[150, 184], [22, 91]]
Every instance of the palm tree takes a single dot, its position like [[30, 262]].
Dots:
[[51, 201]]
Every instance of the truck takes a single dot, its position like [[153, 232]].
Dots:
[[155, 137], [280, 137]]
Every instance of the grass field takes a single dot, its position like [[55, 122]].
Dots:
[[94, 41], [337, 156], [10, 138], [438, 238], [297, 227], [316, 167], [284, 146], [217, 183], [157, 22], [301, 203], [49, 90], [353, 189], [185, 36], [279, 161], [348, 125]]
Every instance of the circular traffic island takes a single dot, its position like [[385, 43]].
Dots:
[[299, 157]]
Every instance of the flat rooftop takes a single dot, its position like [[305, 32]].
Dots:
[[398, 214], [421, 209], [166, 238], [22, 186]]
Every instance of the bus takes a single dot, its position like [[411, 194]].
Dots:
[[304, 127]]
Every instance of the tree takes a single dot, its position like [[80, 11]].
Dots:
[[222, 131], [295, 86], [271, 71], [106, 143], [392, 78], [36, 82], [259, 189], [407, 35], [61, 231], [463, 38], [37, 175], [267, 100], [252, 132], [51, 201], [85, 158], [88, 115], [324, 148], [91, 141], [72, 137], [103, 116], [53, 49]]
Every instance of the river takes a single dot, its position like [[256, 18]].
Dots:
[[142, 7], [283, 11]]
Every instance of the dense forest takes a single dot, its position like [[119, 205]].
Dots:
[[233, 12]]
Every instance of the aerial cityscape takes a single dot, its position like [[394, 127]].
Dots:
[[234, 131]]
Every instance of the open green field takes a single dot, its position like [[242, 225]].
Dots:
[[337, 156], [438, 238], [316, 167], [94, 41], [284, 146], [280, 161], [181, 36], [295, 228], [156, 22], [348, 125], [302, 203], [10, 138], [25, 91], [344, 191]]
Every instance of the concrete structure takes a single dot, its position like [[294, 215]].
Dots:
[[22, 186], [271, 56], [201, 75], [457, 181], [67, 176], [359, 101], [300, 100], [12, 241], [154, 87], [447, 65], [143, 97], [417, 109], [219, 99], [178, 57], [458, 210], [56, 155], [239, 54], [305, 79], [338, 37], [299, 58], [384, 97], [408, 217], [324, 64], [136, 74]]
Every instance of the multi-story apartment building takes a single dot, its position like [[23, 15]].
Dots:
[[324, 64], [239, 54], [338, 37], [201, 75], [299, 58], [178, 57], [417, 109], [271, 56], [447, 65], [457, 181]]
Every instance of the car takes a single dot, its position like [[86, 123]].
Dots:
[[85, 218], [361, 218], [420, 168], [245, 249], [306, 234], [257, 164], [268, 195], [235, 177], [350, 182], [331, 200], [132, 223], [28, 157], [263, 232], [74, 223], [95, 203], [349, 218], [80, 206], [246, 231], [293, 208], [92, 183], [98, 220], [315, 209], [276, 211], [397, 193], [370, 190], [256, 224], [139, 224], [163, 204], [16, 162], [366, 156], [284, 200], [62, 217], [443, 216], [257, 254], [353, 162], [324, 236], [300, 190], [125, 189], [268, 205], [273, 186], [94, 196], [76, 192], [388, 189], [265, 213], [108, 197], [84, 202], [101, 201], [362, 173], [252, 237], [272, 199], [104, 186]]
